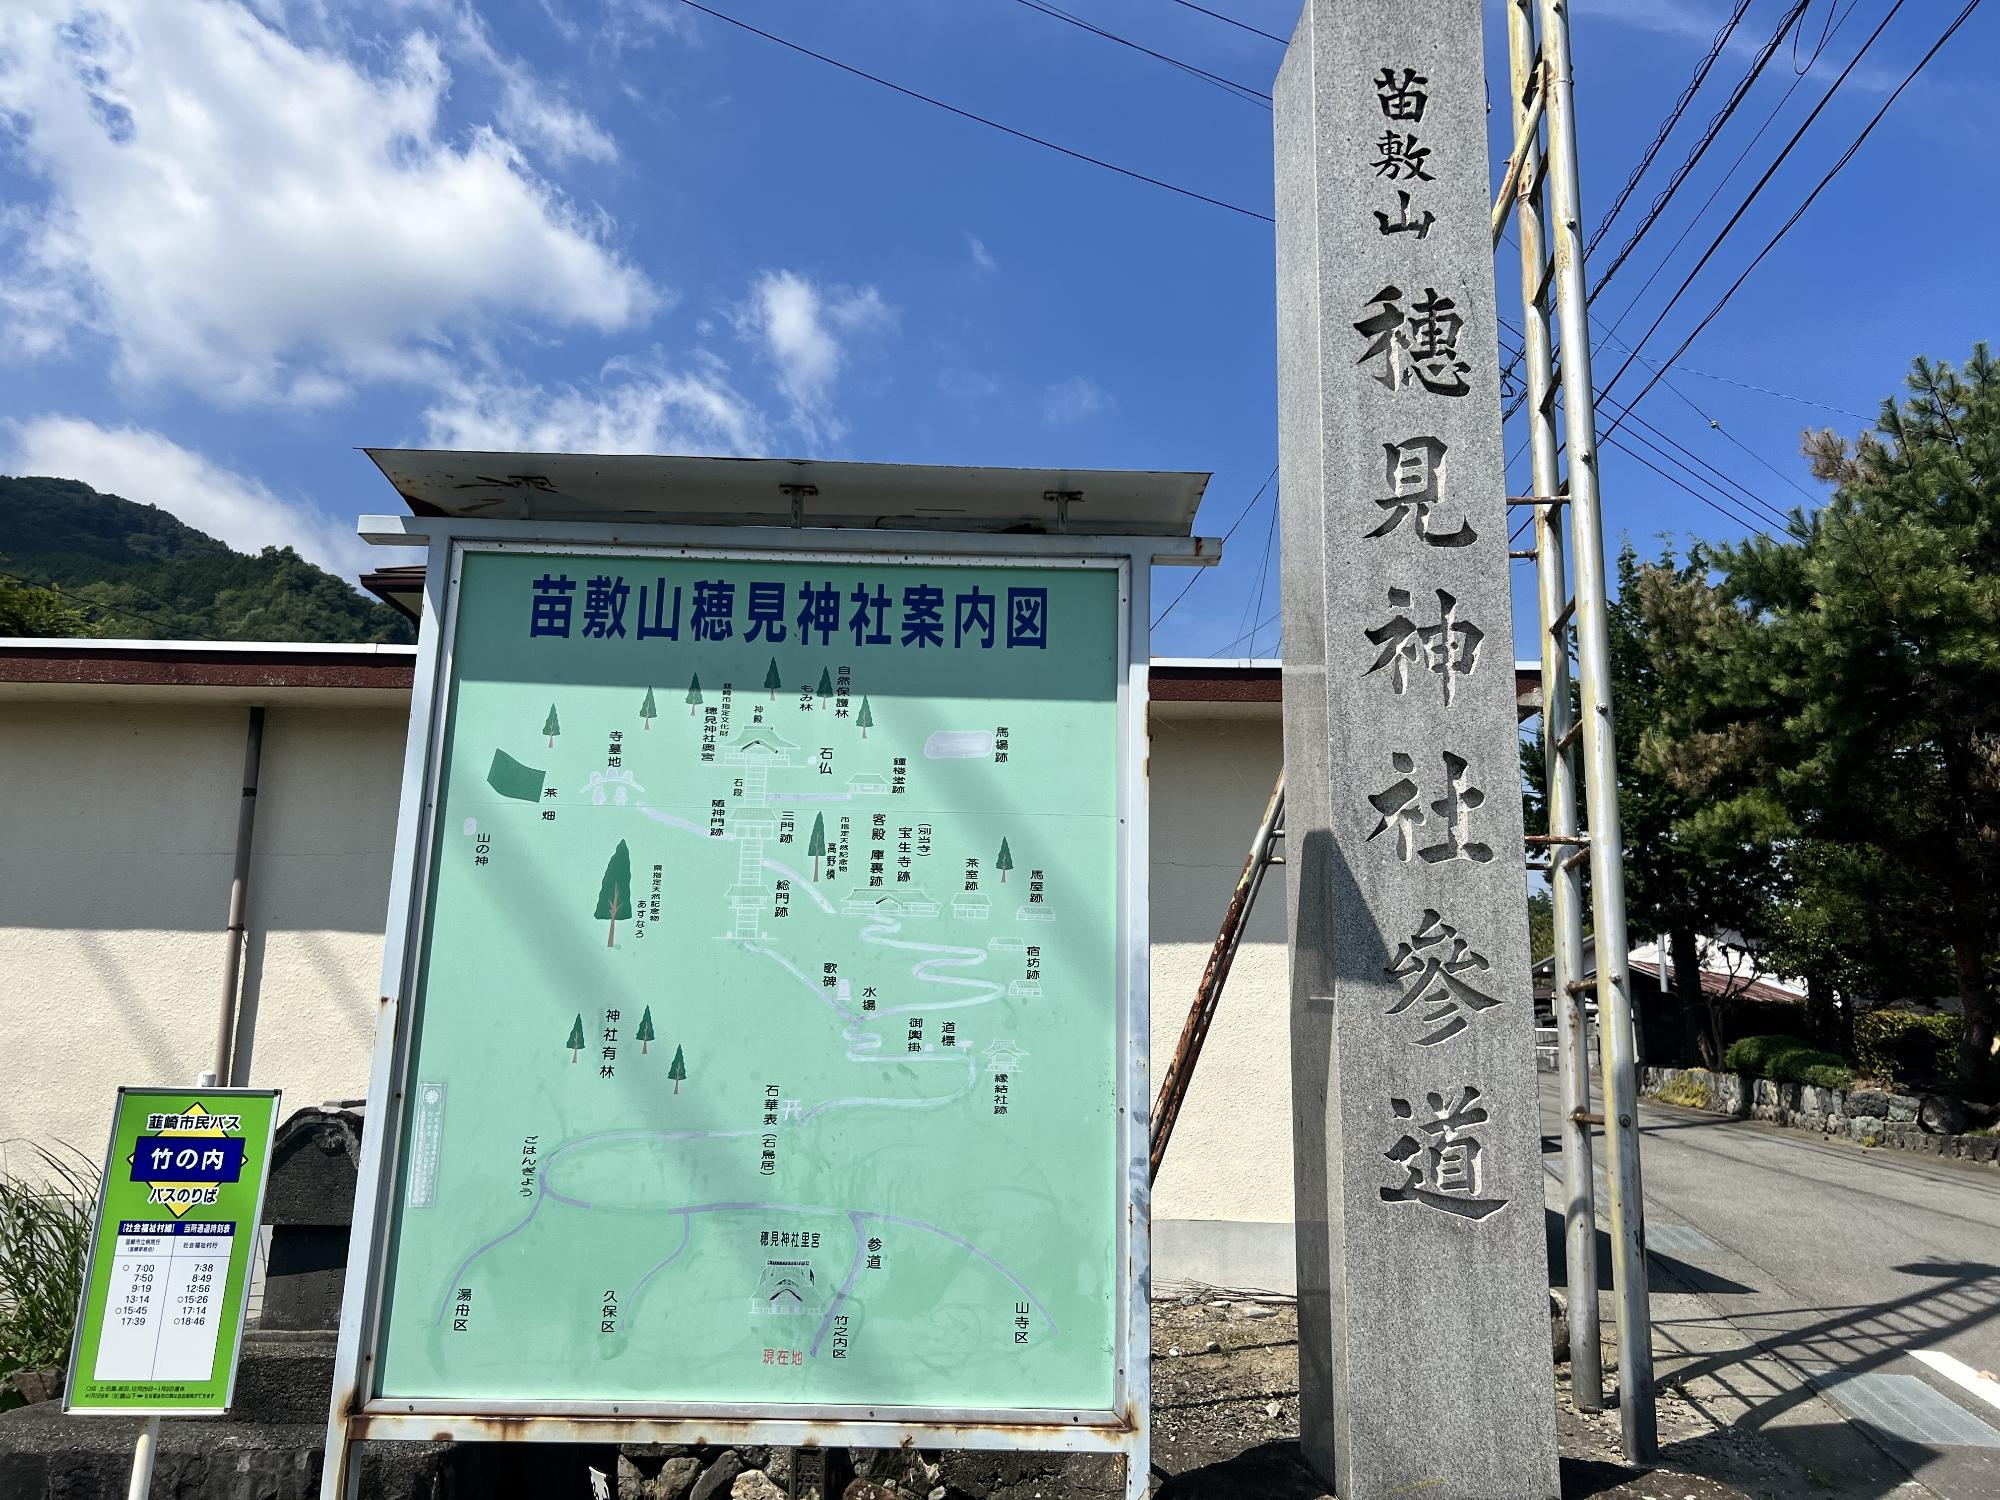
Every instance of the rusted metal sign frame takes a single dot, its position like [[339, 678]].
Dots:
[[359, 1414]]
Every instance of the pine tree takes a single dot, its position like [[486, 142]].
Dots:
[[817, 847], [694, 694], [614, 895], [771, 679], [865, 718], [575, 1042], [648, 711], [825, 683], [677, 1069], [1853, 690], [1003, 861], [552, 726], [645, 1033]]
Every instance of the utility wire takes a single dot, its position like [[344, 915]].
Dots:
[[1231, 20], [1731, 488], [1228, 85], [1256, 606], [979, 119], [81, 602], [1790, 19], [1800, 212], [1732, 492], [1673, 118], [1249, 635], [1201, 573], [1772, 171]]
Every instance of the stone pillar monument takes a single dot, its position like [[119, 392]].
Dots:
[[1423, 1307]]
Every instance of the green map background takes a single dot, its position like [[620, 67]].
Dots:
[[1026, 1200]]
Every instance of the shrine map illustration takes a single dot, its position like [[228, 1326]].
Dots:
[[765, 1044]]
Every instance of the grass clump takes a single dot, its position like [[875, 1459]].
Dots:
[[1688, 1093], [1789, 1060], [45, 1225]]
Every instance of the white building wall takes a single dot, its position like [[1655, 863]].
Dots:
[[116, 842], [116, 837]]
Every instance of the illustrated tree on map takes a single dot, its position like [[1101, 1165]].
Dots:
[[817, 848], [772, 681], [552, 726], [694, 694], [677, 1069], [575, 1042], [645, 1033], [865, 718], [825, 683], [614, 896], [1003, 861], [649, 711]]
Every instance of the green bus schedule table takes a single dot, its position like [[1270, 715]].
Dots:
[[165, 1290]]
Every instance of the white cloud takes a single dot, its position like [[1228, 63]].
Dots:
[[633, 409], [259, 219], [982, 258], [152, 469], [800, 328], [1074, 400]]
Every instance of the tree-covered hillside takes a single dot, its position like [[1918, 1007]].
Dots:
[[135, 571]]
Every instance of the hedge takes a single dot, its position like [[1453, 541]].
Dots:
[[1907, 1046], [1788, 1060]]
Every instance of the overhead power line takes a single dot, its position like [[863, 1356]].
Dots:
[[1249, 635], [1681, 174], [1673, 118], [1231, 20], [1798, 213], [82, 602], [978, 119], [1201, 573], [1227, 85]]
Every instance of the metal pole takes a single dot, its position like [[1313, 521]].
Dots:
[[1607, 870], [1208, 994], [1565, 881], [142, 1460], [239, 892]]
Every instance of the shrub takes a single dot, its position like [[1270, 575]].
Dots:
[[45, 1223], [1907, 1046], [1788, 1060]]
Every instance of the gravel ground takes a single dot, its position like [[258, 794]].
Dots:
[[1226, 1419]]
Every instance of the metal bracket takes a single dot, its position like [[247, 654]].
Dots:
[[1063, 499], [797, 494]]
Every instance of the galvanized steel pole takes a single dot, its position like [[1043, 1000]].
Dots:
[[1552, 588], [1607, 868]]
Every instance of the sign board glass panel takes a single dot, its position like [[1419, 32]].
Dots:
[[768, 1023]]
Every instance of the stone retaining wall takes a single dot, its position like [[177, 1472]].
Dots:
[[1934, 1123]]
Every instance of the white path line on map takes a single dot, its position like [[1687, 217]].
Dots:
[[733, 1206], [817, 991], [1985, 1387], [457, 1277], [853, 1270], [687, 1232], [935, 1101]]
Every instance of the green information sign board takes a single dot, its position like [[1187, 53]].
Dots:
[[168, 1277], [769, 1027]]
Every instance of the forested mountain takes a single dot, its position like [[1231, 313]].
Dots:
[[132, 570]]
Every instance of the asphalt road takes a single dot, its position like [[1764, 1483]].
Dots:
[[1800, 1280]]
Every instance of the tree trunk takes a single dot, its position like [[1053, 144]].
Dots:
[[1976, 1064], [1822, 1015], [612, 932], [1684, 950]]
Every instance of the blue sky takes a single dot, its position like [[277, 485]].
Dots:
[[238, 240]]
